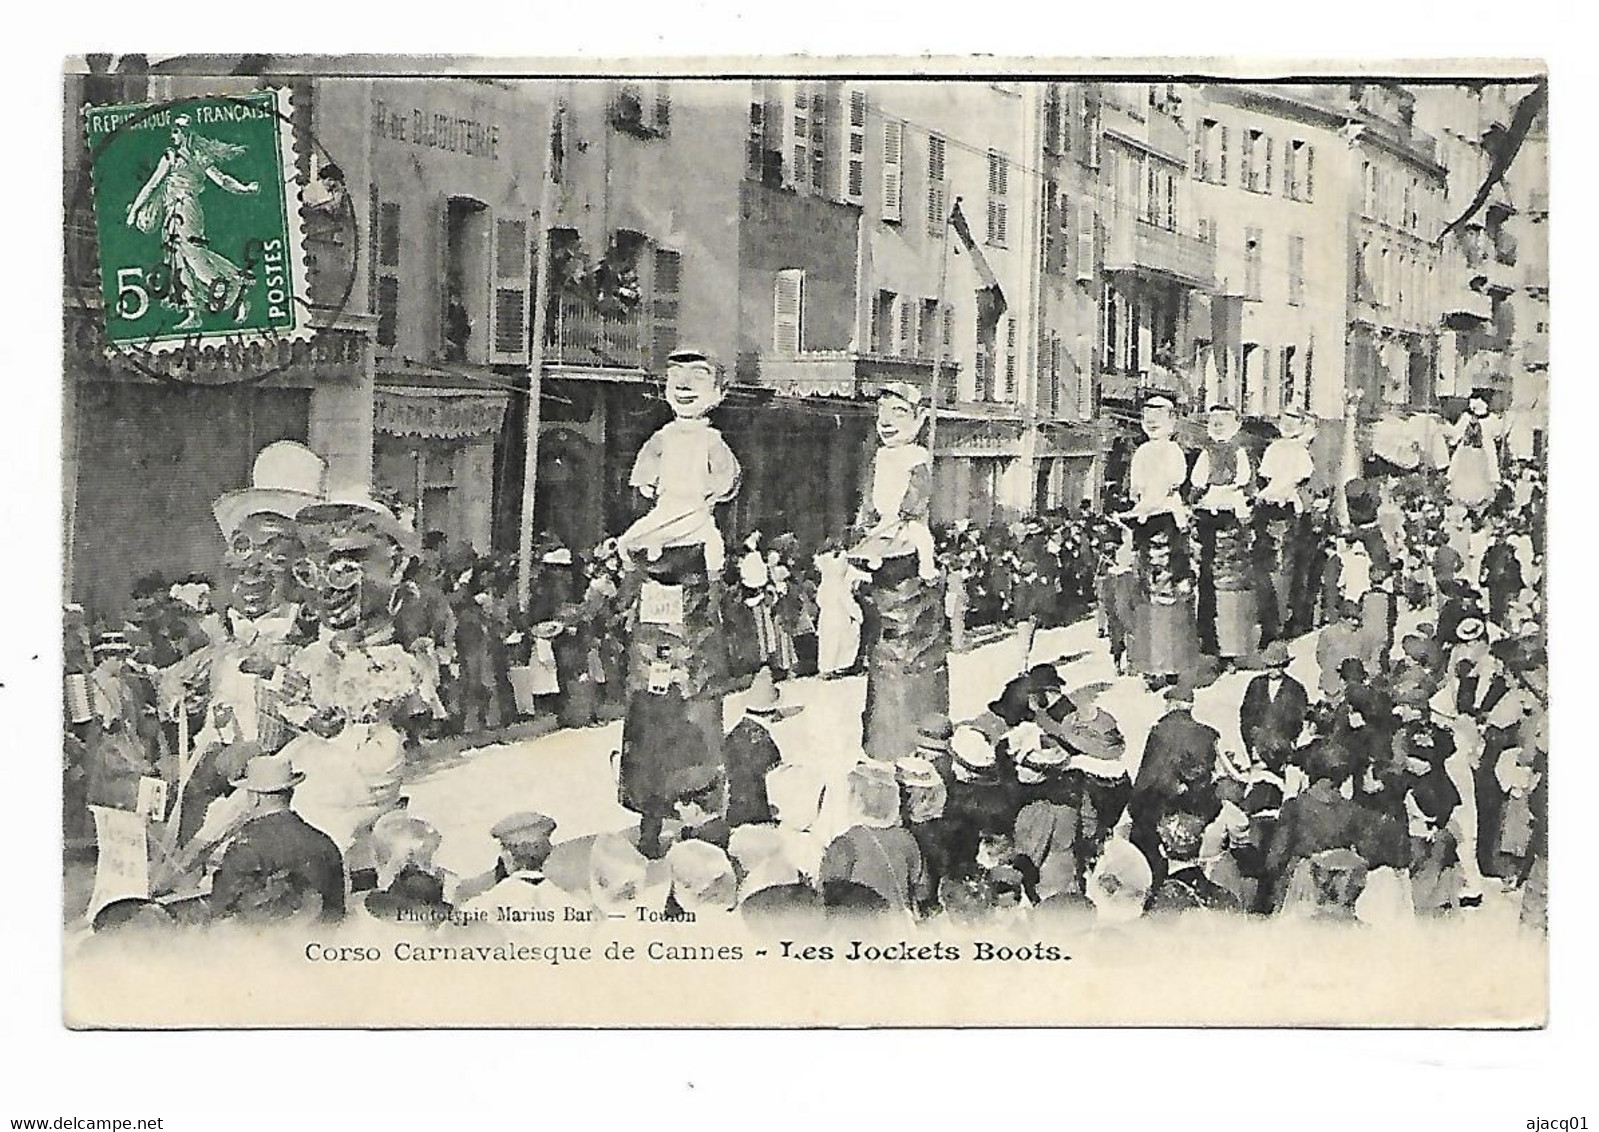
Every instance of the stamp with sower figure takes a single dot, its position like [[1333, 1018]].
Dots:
[[197, 219]]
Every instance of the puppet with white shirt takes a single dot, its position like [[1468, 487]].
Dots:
[[686, 468], [894, 514], [1161, 641]]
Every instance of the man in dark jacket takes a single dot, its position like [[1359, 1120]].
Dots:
[[1274, 707], [1177, 771], [1186, 886], [278, 865]]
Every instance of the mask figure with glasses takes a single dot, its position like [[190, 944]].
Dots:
[[348, 693]]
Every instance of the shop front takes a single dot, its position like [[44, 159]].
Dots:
[[434, 457]]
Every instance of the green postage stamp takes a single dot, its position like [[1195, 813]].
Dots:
[[197, 218]]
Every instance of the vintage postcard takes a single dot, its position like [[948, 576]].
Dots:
[[804, 543]]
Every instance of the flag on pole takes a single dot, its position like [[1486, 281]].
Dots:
[[990, 296]]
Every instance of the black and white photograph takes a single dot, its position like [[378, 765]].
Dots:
[[765, 547]]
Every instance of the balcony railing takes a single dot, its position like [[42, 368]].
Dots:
[[1149, 248], [581, 335], [1463, 301]]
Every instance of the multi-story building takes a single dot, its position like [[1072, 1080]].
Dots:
[[1070, 437], [1269, 196], [1398, 196], [1528, 229], [1158, 273]]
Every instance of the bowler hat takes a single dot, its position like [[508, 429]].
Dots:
[[1276, 655]]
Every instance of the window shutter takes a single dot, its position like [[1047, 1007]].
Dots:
[[1221, 173], [893, 173], [665, 285], [1085, 240], [1310, 172], [509, 337], [1290, 169], [855, 161], [1265, 183], [788, 306]]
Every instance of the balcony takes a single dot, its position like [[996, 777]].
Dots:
[[1148, 129], [1148, 249], [1464, 303], [582, 337]]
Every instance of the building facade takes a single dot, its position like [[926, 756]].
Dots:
[[148, 447]]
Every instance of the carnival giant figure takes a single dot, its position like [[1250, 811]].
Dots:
[[1282, 521], [349, 693], [1223, 482], [677, 658], [252, 634], [1162, 641], [907, 642]]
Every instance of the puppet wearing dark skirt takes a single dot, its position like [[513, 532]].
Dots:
[[677, 670], [1223, 482], [906, 643], [1162, 641], [1281, 517]]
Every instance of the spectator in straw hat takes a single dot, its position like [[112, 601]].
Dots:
[[622, 880], [876, 850], [751, 753], [923, 798], [703, 880], [278, 866]]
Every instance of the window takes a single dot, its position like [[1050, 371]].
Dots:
[[1171, 202], [788, 312], [1252, 257], [818, 118], [1010, 359], [927, 329], [1257, 162], [998, 188], [1287, 389], [388, 299], [1151, 179], [883, 323], [1296, 270], [800, 152], [389, 236], [1107, 340], [1089, 124], [663, 110], [1368, 190], [1054, 374], [1085, 241], [755, 144], [905, 315], [666, 286], [855, 186], [893, 173], [1383, 293], [1298, 170]]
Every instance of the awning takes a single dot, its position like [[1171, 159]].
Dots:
[[840, 373], [957, 437], [437, 414]]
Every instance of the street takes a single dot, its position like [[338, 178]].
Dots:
[[569, 774]]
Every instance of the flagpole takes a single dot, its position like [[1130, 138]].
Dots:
[[938, 350], [535, 371]]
